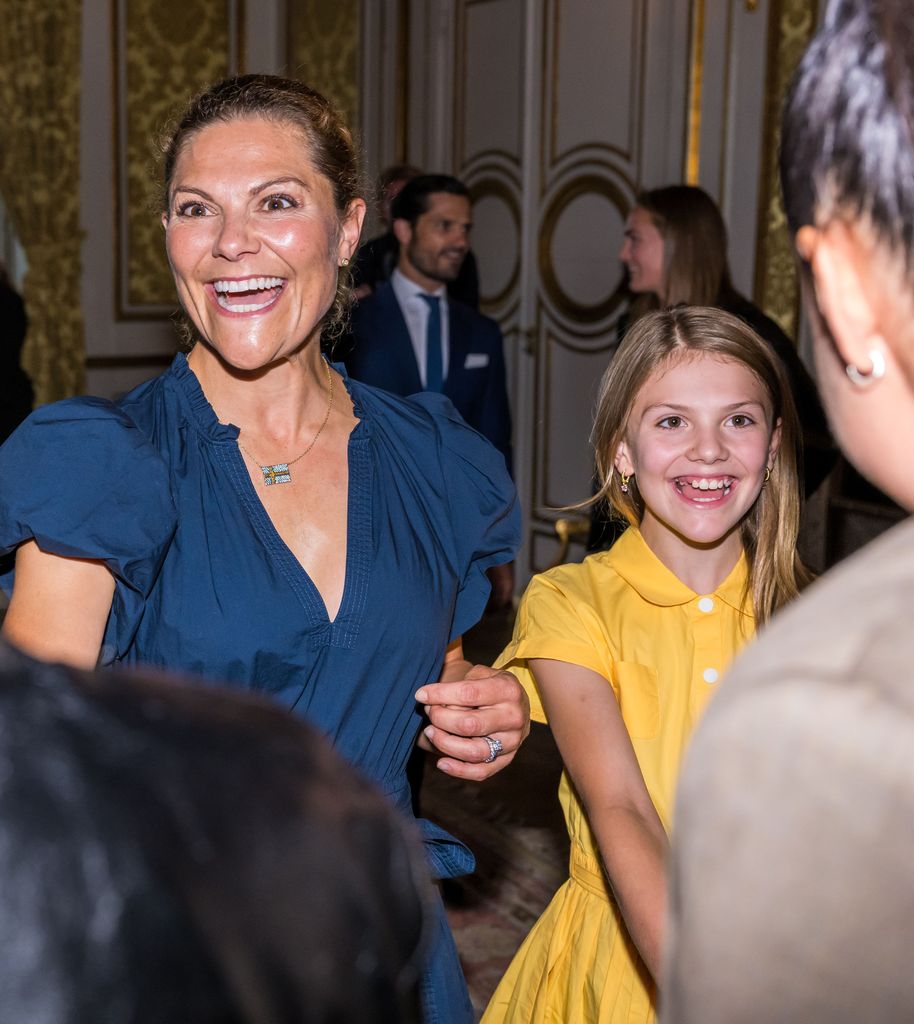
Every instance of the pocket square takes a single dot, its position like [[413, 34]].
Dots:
[[476, 360]]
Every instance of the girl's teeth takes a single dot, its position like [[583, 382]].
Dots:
[[709, 485]]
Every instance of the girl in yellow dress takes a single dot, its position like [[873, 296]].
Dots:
[[695, 446]]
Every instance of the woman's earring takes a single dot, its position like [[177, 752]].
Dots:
[[344, 262], [624, 479], [767, 474], [877, 372]]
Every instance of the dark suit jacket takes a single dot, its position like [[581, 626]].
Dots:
[[380, 353]]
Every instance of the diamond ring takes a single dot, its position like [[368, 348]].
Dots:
[[495, 749]]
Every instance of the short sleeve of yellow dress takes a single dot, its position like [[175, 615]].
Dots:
[[662, 649]]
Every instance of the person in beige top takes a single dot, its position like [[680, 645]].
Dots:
[[792, 891]]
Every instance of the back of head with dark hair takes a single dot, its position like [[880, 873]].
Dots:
[[847, 145], [171, 853], [413, 199]]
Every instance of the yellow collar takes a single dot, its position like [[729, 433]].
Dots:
[[634, 561]]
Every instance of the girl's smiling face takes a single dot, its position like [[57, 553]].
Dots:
[[698, 441]]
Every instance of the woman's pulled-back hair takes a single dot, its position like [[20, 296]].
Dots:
[[695, 269], [657, 340], [329, 142]]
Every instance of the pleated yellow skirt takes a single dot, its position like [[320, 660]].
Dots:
[[578, 964]]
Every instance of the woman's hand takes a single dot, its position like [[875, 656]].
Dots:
[[468, 704], [59, 607]]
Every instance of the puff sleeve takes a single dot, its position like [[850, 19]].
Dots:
[[552, 624], [484, 510], [83, 481]]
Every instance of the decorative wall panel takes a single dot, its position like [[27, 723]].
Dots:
[[323, 49], [791, 25], [165, 50]]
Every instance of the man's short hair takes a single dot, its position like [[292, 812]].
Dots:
[[847, 148], [413, 199], [174, 852]]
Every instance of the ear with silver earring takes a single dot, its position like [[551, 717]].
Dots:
[[876, 372]]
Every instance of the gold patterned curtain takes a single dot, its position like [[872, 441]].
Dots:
[[322, 40], [790, 27], [39, 181]]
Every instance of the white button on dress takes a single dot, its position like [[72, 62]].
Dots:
[[706, 604], [710, 675]]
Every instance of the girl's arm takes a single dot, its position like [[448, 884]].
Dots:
[[59, 606], [598, 754]]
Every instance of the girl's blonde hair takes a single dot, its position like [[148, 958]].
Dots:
[[769, 530]]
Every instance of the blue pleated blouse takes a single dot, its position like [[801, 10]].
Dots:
[[155, 486]]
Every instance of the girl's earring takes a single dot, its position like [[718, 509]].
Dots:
[[624, 479], [767, 474], [344, 262]]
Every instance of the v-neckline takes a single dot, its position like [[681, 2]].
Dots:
[[342, 629]]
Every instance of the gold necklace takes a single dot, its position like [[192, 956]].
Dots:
[[280, 472]]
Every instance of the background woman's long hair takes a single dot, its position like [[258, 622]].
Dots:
[[695, 268]]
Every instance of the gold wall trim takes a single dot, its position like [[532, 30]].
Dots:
[[693, 102], [790, 27], [164, 52]]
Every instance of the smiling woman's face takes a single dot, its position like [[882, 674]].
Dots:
[[642, 253], [254, 239]]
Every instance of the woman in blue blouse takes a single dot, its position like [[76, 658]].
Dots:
[[252, 515]]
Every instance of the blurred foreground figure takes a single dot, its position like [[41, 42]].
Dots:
[[171, 856], [793, 875]]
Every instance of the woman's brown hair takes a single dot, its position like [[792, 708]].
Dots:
[[695, 268], [769, 531]]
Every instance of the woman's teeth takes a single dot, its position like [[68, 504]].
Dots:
[[253, 286]]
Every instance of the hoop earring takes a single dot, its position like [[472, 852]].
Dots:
[[624, 479], [767, 474], [864, 380]]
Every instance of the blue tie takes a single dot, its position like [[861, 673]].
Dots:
[[434, 373]]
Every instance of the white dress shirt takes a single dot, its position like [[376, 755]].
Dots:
[[416, 314]]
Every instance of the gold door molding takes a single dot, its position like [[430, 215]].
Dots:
[[164, 52]]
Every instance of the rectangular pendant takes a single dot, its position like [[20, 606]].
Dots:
[[277, 474]]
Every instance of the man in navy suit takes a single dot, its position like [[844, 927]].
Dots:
[[408, 336]]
